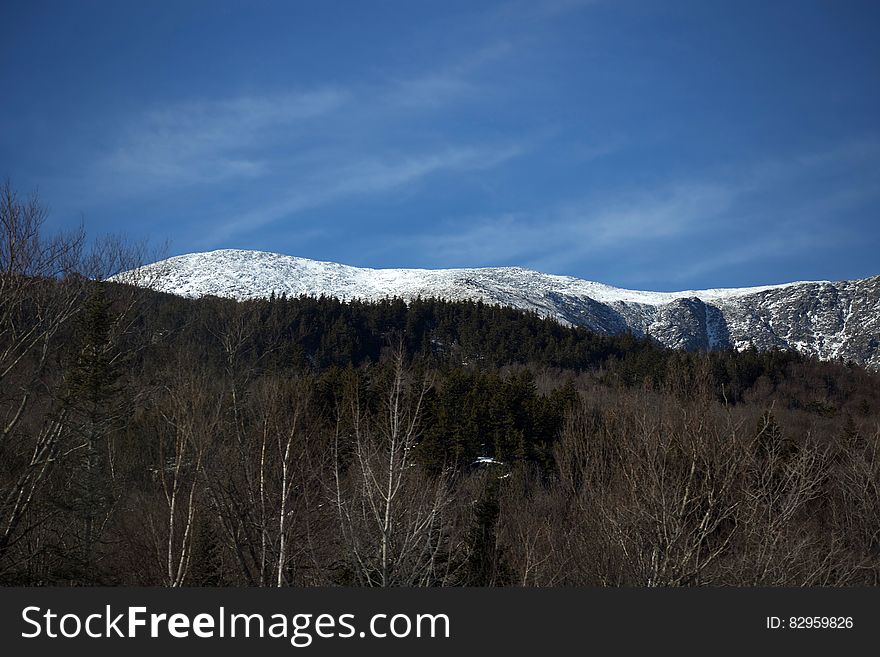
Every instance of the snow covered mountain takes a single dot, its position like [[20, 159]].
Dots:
[[826, 319]]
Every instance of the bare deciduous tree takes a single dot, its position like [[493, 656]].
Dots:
[[192, 416], [34, 306], [391, 515]]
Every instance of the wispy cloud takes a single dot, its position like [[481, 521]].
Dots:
[[305, 149], [207, 141], [367, 176], [666, 212], [733, 215], [561, 235], [767, 246], [203, 142]]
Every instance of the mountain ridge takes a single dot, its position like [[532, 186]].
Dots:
[[826, 319]]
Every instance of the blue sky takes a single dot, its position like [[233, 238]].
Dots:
[[659, 145]]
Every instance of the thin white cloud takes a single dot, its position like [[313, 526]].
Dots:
[[204, 142], [368, 176], [433, 91], [456, 82], [756, 226], [747, 252], [568, 233], [301, 150], [664, 213], [210, 141]]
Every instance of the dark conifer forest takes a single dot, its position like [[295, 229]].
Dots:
[[149, 439]]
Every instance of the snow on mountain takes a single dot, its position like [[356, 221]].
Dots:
[[822, 318]]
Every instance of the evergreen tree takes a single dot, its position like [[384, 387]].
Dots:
[[486, 564], [91, 401]]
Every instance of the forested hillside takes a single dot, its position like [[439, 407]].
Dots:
[[153, 440]]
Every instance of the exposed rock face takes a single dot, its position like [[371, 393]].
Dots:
[[826, 319]]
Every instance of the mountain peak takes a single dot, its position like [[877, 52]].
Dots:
[[821, 318]]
